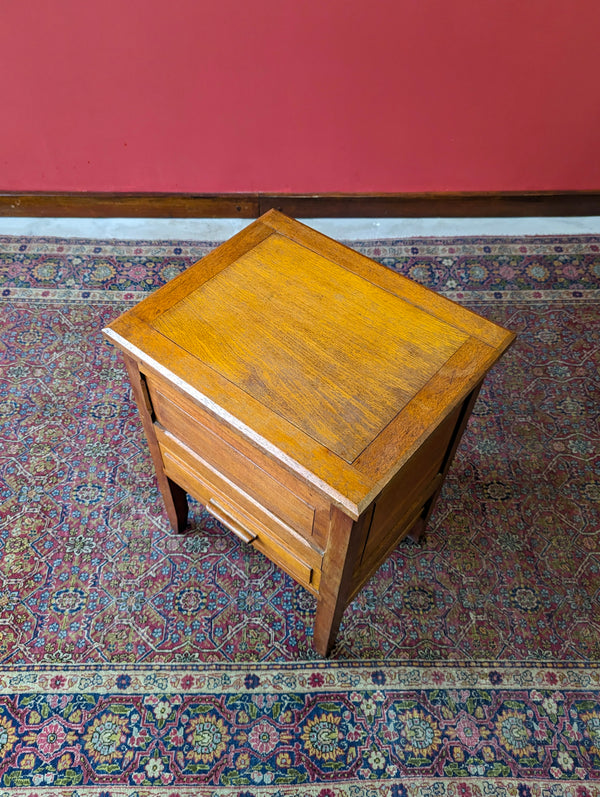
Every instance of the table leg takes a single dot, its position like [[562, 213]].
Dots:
[[336, 580], [174, 496]]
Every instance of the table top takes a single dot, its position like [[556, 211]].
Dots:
[[332, 363]]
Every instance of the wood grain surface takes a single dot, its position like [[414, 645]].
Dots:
[[329, 351]]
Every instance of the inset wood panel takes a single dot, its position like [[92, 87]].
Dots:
[[327, 350]]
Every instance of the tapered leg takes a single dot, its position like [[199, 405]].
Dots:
[[327, 624], [417, 530], [174, 496], [336, 579]]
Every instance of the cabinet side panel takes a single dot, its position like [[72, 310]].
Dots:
[[401, 503]]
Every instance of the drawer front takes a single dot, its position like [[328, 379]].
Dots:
[[278, 491], [240, 513]]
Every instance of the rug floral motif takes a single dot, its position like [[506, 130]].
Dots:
[[136, 661], [365, 730]]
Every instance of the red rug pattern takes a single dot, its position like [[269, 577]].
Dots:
[[138, 663], [510, 568]]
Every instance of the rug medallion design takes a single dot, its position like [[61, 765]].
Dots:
[[139, 662]]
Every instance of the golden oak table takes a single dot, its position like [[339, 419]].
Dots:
[[309, 397]]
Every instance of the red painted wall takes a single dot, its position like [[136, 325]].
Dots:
[[299, 95]]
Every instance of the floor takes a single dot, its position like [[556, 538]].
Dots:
[[344, 229]]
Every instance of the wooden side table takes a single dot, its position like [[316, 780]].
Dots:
[[309, 397]]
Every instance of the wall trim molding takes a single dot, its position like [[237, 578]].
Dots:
[[248, 206]]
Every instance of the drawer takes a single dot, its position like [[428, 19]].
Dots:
[[256, 475], [239, 512]]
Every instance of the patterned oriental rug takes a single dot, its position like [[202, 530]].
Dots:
[[136, 662]]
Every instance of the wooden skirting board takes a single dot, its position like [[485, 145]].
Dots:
[[249, 206]]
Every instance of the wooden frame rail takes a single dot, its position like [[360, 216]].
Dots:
[[248, 206]]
